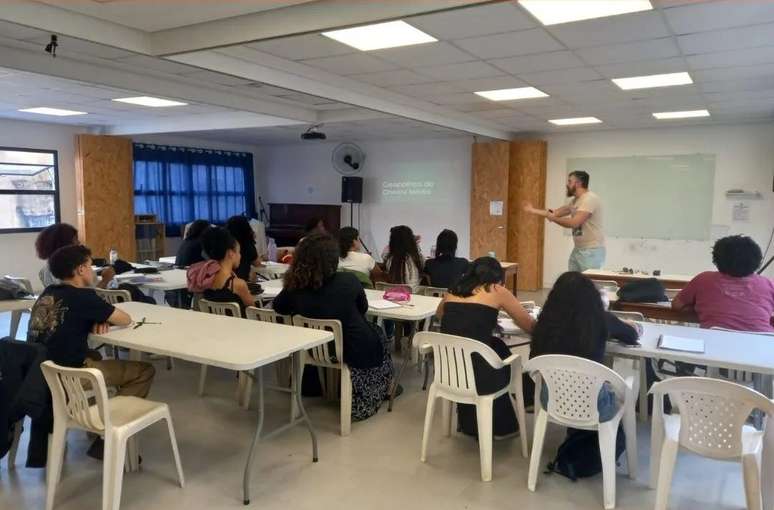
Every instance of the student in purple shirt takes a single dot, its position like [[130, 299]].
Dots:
[[733, 297]]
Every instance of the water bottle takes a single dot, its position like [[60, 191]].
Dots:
[[113, 256], [432, 252]]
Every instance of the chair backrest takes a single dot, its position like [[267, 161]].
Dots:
[[329, 354], [114, 296], [218, 308], [712, 413], [434, 291], [383, 285], [605, 284], [71, 399], [629, 316], [573, 387], [267, 315], [453, 362]]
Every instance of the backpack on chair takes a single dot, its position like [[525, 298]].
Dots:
[[578, 456]]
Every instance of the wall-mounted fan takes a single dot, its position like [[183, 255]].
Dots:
[[348, 159]]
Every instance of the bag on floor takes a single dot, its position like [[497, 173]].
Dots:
[[578, 456], [649, 290]]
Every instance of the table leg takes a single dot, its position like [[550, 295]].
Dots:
[[405, 362], [298, 369], [643, 408], [256, 437]]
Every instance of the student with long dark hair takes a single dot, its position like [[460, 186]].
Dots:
[[240, 229], [314, 288], [446, 268], [219, 245], [190, 250], [350, 255], [403, 262], [470, 309]]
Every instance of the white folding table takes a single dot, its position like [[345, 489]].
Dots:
[[16, 307], [226, 342]]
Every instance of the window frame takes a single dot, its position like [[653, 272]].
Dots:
[[55, 192]]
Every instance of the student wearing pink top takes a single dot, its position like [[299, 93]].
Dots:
[[734, 297]]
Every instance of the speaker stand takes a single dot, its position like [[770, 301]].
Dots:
[[351, 215]]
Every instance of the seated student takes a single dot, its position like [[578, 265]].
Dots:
[[315, 225], [470, 309], [220, 246], [733, 297], [190, 250], [313, 288], [446, 268], [51, 239], [240, 229], [65, 314], [403, 262], [350, 256]]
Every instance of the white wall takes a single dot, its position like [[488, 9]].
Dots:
[[745, 159], [302, 173], [17, 251]]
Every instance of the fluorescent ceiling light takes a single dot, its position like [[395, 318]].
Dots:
[[512, 94], [653, 81], [381, 35], [553, 12], [688, 114], [52, 111], [153, 102], [575, 121]]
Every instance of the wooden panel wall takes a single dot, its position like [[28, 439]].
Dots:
[[527, 182], [105, 194], [489, 183]]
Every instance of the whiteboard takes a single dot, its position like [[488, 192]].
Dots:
[[653, 197]]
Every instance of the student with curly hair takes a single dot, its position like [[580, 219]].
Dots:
[[732, 297], [314, 288], [57, 236]]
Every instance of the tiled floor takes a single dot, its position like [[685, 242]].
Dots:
[[376, 467]]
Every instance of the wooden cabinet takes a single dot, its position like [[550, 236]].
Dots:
[[150, 236], [105, 194]]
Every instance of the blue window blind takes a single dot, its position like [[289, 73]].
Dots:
[[181, 184]]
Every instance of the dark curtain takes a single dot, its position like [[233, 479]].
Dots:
[[181, 184]]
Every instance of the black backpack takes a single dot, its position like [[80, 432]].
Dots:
[[578, 456], [649, 290]]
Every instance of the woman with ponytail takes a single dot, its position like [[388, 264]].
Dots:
[[470, 309]]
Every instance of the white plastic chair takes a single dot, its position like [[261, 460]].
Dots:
[[573, 387], [434, 291], [114, 296], [228, 310], [454, 381], [282, 368], [11, 456], [323, 356], [711, 423], [117, 419]]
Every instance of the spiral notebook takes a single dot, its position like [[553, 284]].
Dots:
[[677, 343]]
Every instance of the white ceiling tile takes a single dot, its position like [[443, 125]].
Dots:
[[702, 17], [160, 65], [421, 55], [749, 84], [463, 71], [627, 52], [390, 78], [459, 98], [749, 56], [729, 39], [611, 30], [302, 47], [500, 82], [495, 114], [474, 21], [427, 89], [538, 62], [213, 77], [357, 63], [510, 44], [644, 67], [561, 76], [733, 73], [14, 31]]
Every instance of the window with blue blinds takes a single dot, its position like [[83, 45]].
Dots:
[[181, 184]]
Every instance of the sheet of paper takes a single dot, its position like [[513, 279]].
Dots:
[[677, 343], [382, 304]]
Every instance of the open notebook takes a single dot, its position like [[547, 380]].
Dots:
[[677, 343], [382, 304]]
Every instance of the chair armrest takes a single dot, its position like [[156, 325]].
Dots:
[[510, 359]]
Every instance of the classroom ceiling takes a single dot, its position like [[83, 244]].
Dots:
[[727, 46]]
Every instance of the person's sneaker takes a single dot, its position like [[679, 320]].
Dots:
[[97, 449]]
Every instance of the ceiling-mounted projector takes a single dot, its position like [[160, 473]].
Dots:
[[314, 133]]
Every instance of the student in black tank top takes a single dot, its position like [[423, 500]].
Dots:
[[470, 310], [220, 245]]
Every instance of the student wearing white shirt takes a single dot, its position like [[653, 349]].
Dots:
[[350, 256]]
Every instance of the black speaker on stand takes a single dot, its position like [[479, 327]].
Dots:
[[351, 193]]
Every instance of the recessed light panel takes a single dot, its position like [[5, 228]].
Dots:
[[553, 12], [153, 102], [512, 94], [687, 114], [653, 81], [58, 112], [392, 34], [575, 121]]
